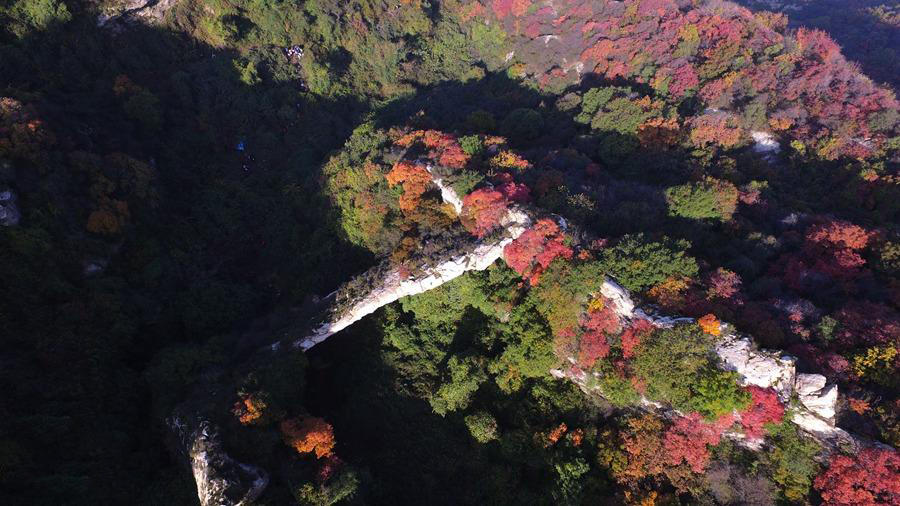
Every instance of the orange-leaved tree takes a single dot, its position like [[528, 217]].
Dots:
[[308, 434], [415, 180]]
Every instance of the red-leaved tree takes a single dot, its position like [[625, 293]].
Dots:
[[633, 335], [687, 440], [870, 478], [535, 249], [482, 211], [764, 408]]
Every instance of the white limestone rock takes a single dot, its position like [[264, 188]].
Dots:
[[394, 286], [221, 480], [448, 194], [619, 297], [762, 369], [816, 396], [765, 143]]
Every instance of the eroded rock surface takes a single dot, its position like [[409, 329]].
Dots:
[[148, 11], [221, 480]]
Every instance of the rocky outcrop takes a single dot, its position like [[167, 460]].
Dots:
[[9, 211], [394, 284], [765, 370], [148, 11], [220, 479], [765, 144], [814, 413], [815, 407]]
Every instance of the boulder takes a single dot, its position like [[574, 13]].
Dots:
[[820, 399]]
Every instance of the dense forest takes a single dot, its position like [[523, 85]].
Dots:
[[182, 184]]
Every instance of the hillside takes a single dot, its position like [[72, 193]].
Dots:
[[369, 252]]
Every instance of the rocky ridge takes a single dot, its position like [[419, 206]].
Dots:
[[222, 480], [812, 399]]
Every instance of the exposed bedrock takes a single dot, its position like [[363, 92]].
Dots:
[[221, 480]]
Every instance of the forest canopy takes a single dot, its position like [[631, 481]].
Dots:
[[185, 185]]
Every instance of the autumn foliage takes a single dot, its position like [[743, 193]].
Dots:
[[249, 409], [868, 479], [710, 324], [687, 440], [415, 180], [633, 335], [764, 408], [533, 251], [597, 325], [483, 209], [746, 70], [308, 435]]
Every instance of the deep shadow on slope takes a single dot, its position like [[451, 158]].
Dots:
[[232, 235]]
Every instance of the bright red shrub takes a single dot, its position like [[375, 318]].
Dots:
[[764, 408], [687, 439], [597, 325], [535, 249], [632, 336], [870, 478], [482, 211]]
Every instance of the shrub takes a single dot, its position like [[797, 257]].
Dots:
[[790, 460], [707, 199], [308, 435], [676, 367], [472, 144], [482, 426], [465, 376], [522, 125], [716, 393], [765, 408], [482, 211]]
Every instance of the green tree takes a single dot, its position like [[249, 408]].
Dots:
[[790, 459], [638, 263], [482, 425], [465, 375], [707, 199]]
